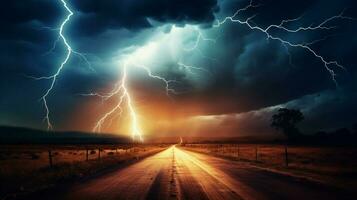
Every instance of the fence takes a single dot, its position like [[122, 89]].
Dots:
[[326, 159], [88, 151], [48, 156]]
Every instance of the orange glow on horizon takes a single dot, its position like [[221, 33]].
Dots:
[[158, 115]]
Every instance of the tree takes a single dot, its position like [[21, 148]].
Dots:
[[285, 120]]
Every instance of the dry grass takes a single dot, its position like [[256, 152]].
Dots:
[[335, 165], [25, 169]]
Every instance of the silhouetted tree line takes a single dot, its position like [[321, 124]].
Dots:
[[19, 135], [339, 136], [286, 120]]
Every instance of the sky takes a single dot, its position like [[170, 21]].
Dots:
[[193, 68]]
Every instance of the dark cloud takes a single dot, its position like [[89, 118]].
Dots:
[[29, 29], [98, 16], [328, 110], [23, 17], [248, 72], [254, 73], [24, 20]]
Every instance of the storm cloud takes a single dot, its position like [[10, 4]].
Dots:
[[244, 75]]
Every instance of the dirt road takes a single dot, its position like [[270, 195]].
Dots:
[[179, 174]]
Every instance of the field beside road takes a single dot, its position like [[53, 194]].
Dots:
[[333, 165], [26, 169]]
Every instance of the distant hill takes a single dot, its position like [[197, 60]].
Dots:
[[19, 135]]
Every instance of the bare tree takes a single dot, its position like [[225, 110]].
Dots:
[[285, 120]]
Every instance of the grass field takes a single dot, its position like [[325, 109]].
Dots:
[[337, 165], [25, 169]]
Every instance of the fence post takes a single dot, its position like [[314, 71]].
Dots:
[[86, 154], [50, 158], [238, 152], [286, 156], [256, 153], [99, 153]]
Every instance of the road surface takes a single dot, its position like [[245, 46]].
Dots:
[[180, 174]]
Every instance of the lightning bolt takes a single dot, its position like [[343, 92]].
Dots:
[[195, 47], [200, 37], [53, 77], [167, 82], [190, 69], [125, 95], [328, 64], [122, 92], [119, 90]]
